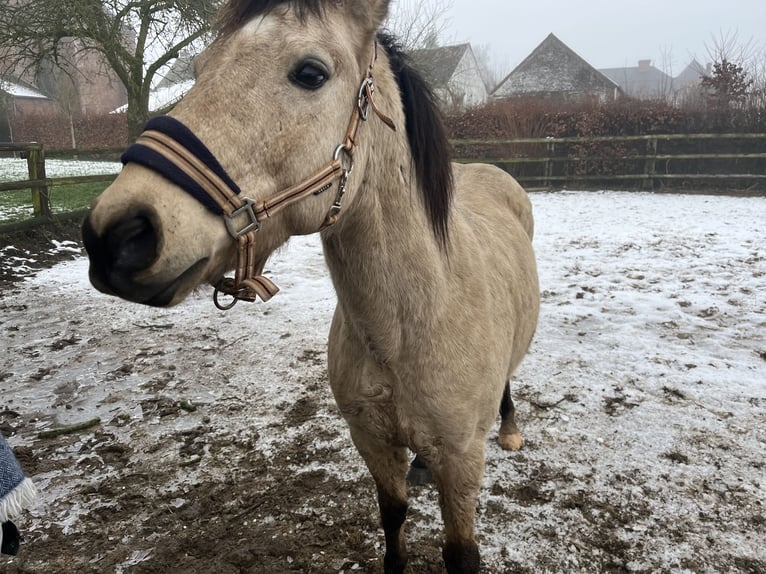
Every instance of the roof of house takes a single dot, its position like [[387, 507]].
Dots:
[[693, 73], [550, 68], [19, 90], [162, 98], [181, 71], [643, 79], [438, 65], [178, 80]]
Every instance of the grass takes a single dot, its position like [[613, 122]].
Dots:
[[16, 206], [74, 197]]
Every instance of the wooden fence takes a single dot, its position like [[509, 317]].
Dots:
[[38, 182], [723, 161]]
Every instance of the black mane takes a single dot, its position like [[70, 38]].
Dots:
[[427, 135], [425, 128]]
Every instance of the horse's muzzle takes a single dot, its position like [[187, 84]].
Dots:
[[123, 253]]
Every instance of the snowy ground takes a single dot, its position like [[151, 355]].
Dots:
[[13, 169], [642, 402]]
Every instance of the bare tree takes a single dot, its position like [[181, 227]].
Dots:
[[6, 129], [728, 46], [491, 72], [758, 76], [137, 38], [666, 88], [419, 24]]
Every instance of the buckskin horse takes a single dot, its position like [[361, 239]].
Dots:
[[306, 118]]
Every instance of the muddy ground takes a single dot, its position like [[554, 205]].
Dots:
[[218, 448]]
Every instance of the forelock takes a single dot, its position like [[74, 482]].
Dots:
[[236, 13]]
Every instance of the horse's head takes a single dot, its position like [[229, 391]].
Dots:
[[272, 102]]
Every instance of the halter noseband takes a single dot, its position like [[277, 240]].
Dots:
[[170, 148]]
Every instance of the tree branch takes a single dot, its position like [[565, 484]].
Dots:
[[136, 38]]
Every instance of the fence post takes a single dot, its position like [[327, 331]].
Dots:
[[649, 167], [41, 203], [550, 148]]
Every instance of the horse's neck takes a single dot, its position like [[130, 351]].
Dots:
[[386, 266]]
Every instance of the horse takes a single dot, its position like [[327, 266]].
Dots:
[[306, 118]]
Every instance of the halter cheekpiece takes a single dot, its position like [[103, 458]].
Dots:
[[171, 149]]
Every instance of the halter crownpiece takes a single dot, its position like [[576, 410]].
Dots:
[[171, 149]]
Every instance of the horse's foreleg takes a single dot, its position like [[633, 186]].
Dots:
[[458, 478], [393, 511], [509, 437], [388, 466]]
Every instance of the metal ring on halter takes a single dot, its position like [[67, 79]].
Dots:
[[363, 101], [220, 305], [348, 161]]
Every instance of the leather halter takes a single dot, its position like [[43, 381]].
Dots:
[[170, 148]]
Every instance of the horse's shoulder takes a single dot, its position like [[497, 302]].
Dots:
[[487, 188]]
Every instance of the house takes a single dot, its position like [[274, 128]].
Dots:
[[19, 99], [175, 83], [66, 106], [453, 74], [173, 86], [180, 72], [98, 88], [451, 71], [644, 81], [692, 74], [47, 103], [84, 85], [24, 98], [687, 84], [554, 71]]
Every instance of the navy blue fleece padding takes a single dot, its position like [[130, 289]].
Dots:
[[147, 157]]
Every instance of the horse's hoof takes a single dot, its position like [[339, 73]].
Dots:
[[511, 441], [11, 539], [418, 476], [394, 564]]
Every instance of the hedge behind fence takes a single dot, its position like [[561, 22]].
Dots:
[[55, 131], [535, 118], [518, 118]]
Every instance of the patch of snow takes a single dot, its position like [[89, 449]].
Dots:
[[13, 169], [161, 98], [642, 400], [65, 247]]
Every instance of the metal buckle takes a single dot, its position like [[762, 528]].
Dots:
[[252, 225], [363, 101]]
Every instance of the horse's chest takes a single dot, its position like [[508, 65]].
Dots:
[[379, 418], [368, 397]]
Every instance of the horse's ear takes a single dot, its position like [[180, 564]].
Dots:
[[371, 12]]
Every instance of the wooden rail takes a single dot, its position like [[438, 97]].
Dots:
[[538, 163], [34, 153], [35, 156], [645, 161]]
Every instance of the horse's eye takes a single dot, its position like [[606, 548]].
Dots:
[[310, 74]]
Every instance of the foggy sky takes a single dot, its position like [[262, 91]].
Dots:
[[608, 33]]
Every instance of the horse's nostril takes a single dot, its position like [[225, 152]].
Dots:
[[131, 244]]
